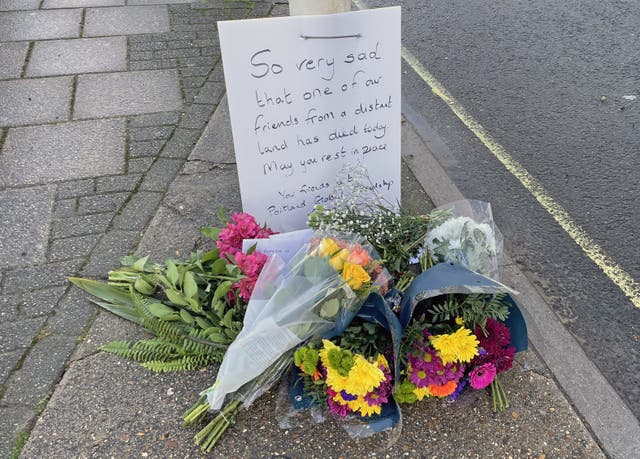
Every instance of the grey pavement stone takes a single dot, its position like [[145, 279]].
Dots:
[[147, 148], [12, 59], [24, 225], [106, 255], [8, 361], [161, 174], [216, 143], [180, 144], [75, 188], [73, 150], [41, 302], [154, 65], [150, 133], [138, 211], [72, 247], [195, 71], [154, 119], [39, 277], [105, 328], [73, 314], [197, 61], [20, 334], [147, 46], [66, 208], [8, 307], [39, 25], [83, 55], [117, 183], [160, 244], [81, 226], [126, 20], [193, 82], [196, 194], [29, 101], [211, 93], [13, 420], [80, 3], [101, 203], [127, 93], [9, 5], [40, 370], [175, 53], [197, 116], [155, 2], [139, 165]]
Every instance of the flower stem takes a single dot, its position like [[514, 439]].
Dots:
[[500, 400]]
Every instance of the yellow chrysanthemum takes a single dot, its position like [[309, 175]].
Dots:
[[361, 406], [422, 392], [459, 346], [382, 361], [363, 378]]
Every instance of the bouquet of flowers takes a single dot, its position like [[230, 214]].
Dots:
[[347, 382], [194, 307], [319, 289]]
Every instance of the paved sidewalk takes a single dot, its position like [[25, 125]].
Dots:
[[113, 139], [100, 104]]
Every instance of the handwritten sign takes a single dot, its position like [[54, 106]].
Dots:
[[308, 94]]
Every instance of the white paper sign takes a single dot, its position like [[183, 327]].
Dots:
[[308, 94], [285, 245]]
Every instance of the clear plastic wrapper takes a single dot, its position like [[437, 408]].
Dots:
[[323, 284], [468, 237]]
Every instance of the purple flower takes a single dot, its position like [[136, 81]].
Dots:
[[347, 397], [456, 393]]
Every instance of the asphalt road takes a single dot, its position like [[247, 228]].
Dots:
[[552, 82]]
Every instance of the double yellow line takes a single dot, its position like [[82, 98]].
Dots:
[[592, 249]]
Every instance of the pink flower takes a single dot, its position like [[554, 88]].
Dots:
[[480, 377], [242, 226], [251, 265]]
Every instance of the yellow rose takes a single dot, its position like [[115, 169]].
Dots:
[[354, 275], [327, 247], [337, 261]]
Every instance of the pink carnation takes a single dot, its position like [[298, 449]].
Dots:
[[251, 265], [242, 226], [480, 377]]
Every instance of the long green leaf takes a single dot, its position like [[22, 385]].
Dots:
[[122, 311], [104, 291]]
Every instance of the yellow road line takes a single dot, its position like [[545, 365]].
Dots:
[[592, 249]]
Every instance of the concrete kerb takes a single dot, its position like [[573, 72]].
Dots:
[[601, 408]]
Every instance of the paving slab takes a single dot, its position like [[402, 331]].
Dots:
[[216, 143], [126, 20], [80, 3], [127, 93], [12, 59], [13, 419], [24, 225], [83, 55], [10, 5], [39, 25], [65, 151], [31, 101], [156, 2]]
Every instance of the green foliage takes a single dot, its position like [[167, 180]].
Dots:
[[316, 389], [183, 303], [473, 309], [365, 338]]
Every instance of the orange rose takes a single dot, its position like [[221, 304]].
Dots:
[[354, 275], [359, 256]]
